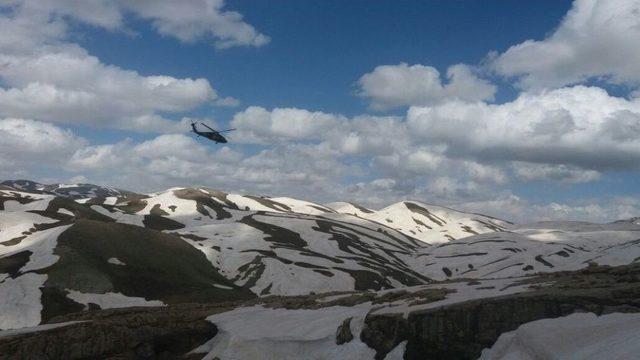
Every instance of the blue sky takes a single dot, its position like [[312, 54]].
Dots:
[[521, 109], [319, 49]]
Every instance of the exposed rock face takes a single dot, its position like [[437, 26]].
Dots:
[[461, 331], [150, 333], [456, 331], [344, 335]]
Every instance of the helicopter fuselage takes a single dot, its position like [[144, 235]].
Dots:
[[211, 135]]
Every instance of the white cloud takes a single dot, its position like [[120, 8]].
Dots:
[[187, 21], [179, 160], [578, 126], [522, 211], [228, 102], [195, 20], [28, 144], [74, 87], [306, 171], [259, 125], [367, 135], [389, 86], [46, 77], [560, 173], [596, 39]]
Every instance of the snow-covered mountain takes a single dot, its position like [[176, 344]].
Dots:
[[262, 244], [533, 248], [428, 223], [64, 252], [74, 191], [633, 220]]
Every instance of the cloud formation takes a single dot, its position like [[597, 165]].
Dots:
[[47, 77], [389, 86], [187, 21], [259, 125], [76, 88], [596, 39], [454, 146], [31, 148], [578, 126]]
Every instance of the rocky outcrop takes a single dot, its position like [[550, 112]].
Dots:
[[457, 331], [461, 331], [135, 333], [344, 335]]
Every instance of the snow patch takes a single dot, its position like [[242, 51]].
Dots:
[[262, 333], [111, 300], [65, 211], [577, 336], [398, 352], [219, 286], [115, 261], [20, 304], [34, 329]]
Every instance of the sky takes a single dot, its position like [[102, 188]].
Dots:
[[526, 110]]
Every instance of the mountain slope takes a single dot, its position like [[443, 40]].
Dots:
[[74, 191], [428, 223], [539, 247], [59, 255], [280, 251]]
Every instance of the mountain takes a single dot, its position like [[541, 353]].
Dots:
[[534, 248], [260, 243], [71, 257], [633, 220], [59, 256], [428, 223], [451, 320], [74, 191]]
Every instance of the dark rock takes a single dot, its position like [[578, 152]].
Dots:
[[136, 333], [344, 335]]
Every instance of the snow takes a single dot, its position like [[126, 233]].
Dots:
[[168, 198], [219, 286], [462, 292], [34, 329], [40, 204], [528, 249], [246, 203], [111, 200], [64, 186], [440, 226], [115, 261], [349, 208], [14, 223], [577, 336], [398, 352], [119, 216], [65, 211], [302, 207], [111, 300], [262, 333], [20, 301], [239, 244], [42, 245], [184, 211]]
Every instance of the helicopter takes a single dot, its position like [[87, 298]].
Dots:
[[213, 135]]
